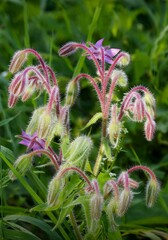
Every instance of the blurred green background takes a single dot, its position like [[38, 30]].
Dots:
[[137, 26]]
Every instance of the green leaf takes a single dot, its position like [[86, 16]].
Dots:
[[35, 222], [5, 121], [93, 120], [16, 235]]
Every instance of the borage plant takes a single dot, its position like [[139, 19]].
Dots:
[[84, 194]]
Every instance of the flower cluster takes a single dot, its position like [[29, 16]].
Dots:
[[52, 120]]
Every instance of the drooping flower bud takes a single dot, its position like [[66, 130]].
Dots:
[[111, 210], [68, 49], [79, 150], [44, 124], [96, 205], [18, 60], [22, 165], [149, 128], [12, 100], [54, 189], [124, 60], [149, 99], [72, 92], [138, 110], [124, 201], [33, 124], [152, 190], [28, 92], [122, 78], [114, 127]]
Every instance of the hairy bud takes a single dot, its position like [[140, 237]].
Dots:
[[22, 165], [114, 127], [124, 201], [12, 100], [18, 60], [44, 124], [138, 110], [149, 128], [152, 190], [79, 150], [122, 79], [72, 92], [96, 204], [124, 60], [67, 49], [54, 189], [33, 124]]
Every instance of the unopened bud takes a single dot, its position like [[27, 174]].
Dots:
[[44, 124], [18, 60], [122, 79], [54, 189], [96, 205], [138, 110], [72, 92], [22, 165], [114, 130], [79, 150], [124, 201], [152, 190], [12, 100], [149, 128], [149, 99], [28, 92], [111, 210], [124, 60], [67, 49], [33, 124]]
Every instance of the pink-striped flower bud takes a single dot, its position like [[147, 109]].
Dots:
[[67, 49], [96, 205], [17, 61], [152, 190], [138, 110], [12, 100], [18, 84], [22, 165], [28, 92], [149, 128], [125, 199]]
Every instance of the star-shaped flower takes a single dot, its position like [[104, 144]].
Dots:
[[32, 141], [109, 53]]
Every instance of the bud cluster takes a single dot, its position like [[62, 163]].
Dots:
[[52, 120]]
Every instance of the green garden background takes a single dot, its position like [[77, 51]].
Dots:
[[139, 27]]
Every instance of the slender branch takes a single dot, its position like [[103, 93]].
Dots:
[[143, 168], [40, 60], [92, 81], [82, 174], [45, 152], [78, 45]]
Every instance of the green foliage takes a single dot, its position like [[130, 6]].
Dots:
[[139, 27]]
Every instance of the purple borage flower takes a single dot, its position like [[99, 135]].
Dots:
[[32, 142], [97, 48]]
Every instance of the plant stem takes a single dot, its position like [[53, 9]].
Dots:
[[101, 149], [75, 226]]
